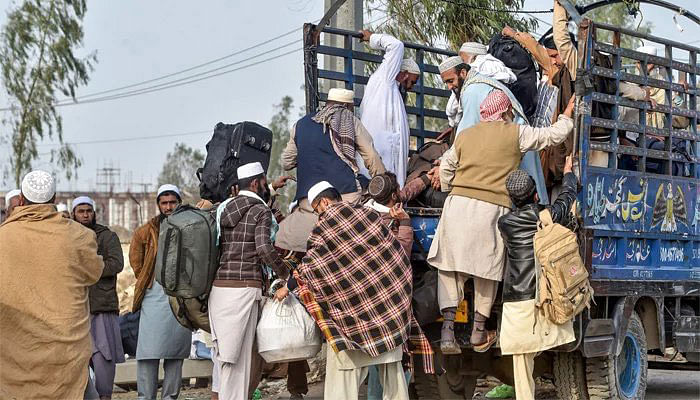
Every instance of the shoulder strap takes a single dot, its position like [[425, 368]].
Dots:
[[546, 218]]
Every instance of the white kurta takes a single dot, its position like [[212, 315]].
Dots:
[[382, 110]]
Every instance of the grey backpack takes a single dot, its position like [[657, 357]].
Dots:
[[188, 255]]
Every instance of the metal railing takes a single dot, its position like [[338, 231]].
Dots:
[[350, 77]]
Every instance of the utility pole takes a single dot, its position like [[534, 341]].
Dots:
[[350, 16]]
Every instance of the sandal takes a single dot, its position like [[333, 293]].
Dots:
[[491, 337]]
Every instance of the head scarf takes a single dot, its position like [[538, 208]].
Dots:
[[493, 107]]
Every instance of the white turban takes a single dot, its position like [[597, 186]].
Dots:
[[651, 50], [9, 195], [317, 189], [82, 200], [168, 188], [473, 48], [38, 187], [409, 65], [450, 63]]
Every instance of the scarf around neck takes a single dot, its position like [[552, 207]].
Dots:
[[341, 123]]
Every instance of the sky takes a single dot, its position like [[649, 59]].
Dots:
[[141, 40]]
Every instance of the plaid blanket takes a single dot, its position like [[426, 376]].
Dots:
[[355, 281]]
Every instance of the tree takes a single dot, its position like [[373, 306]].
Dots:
[[281, 128], [37, 47], [180, 169], [623, 15]]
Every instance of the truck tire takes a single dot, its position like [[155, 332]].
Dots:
[[622, 377], [450, 385], [570, 376]]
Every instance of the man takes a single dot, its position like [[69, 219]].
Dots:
[[356, 282], [107, 348], [524, 331], [47, 265], [382, 109], [236, 293], [324, 146], [11, 201], [467, 243], [453, 72], [161, 337]]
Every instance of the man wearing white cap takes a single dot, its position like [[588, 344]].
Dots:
[[107, 348], [161, 337], [11, 201], [382, 110], [356, 282], [245, 222], [47, 265], [325, 146]]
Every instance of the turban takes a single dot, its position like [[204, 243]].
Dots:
[[474, 48], [495, 104], [450, 63], [9, 195], [520, 185], [38, 187], [410, 66]]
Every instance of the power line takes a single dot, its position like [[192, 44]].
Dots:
[[498, 10], [130, 139]]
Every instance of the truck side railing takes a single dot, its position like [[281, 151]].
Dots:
[[350, 77]]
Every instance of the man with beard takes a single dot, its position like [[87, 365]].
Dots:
[[104, 304], [234, 301], [453, 72], [382, 109], [160, 335]]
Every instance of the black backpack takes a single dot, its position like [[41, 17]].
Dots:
[[230, 147], [515, 57]]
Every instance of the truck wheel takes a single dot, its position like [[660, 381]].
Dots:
[[570, 376], [450, 385], [622, 377]]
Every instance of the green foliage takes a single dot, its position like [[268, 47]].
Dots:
[[180, 169], [280, 125], [619, 15], [37, 46]]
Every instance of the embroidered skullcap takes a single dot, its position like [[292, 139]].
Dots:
[[450, 63], [60, 207], [520, 185], [341, 95], [9, 195], [38, 187], [474, 48], [651, 50], [381, 187], [168, 188], [409, 65], [249, 170], [495, 104], [317, 189], [82, 200]]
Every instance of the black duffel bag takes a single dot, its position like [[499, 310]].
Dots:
[[129, 328], [425, 298]]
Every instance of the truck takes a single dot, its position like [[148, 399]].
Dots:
[[639, 227]]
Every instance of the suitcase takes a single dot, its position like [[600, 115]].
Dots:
[[230, 147]]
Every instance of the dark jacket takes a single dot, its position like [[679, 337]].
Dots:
[[103, 294], [245, 242], [518, 229]]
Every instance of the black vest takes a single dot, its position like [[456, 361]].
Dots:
[[317, 161]]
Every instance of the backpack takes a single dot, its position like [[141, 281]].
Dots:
[[230, 147], [186, 264], [515, 57], [563, 287]]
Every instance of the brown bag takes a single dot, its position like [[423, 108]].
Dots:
[[422, 161], [563, 286]]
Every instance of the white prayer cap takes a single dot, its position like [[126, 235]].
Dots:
[[168, 188], [9, 195], [60, 207], [250, 169], [293, 205], [341, 95], [474, 48], [317, 189], [82, 200], [651, 50], [450, 63], [409, 65], [39, 187]]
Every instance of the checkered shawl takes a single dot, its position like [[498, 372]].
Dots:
[[341, 123], [355, 281]]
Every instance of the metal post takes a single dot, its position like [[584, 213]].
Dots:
[[350, 16]]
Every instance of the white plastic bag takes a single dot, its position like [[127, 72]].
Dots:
[[286, 332]]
